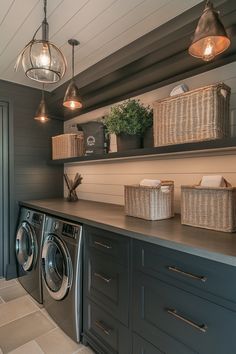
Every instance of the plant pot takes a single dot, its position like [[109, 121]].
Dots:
[[148, 139], [128, 142]]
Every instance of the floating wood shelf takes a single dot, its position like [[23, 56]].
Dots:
[[207, 147]]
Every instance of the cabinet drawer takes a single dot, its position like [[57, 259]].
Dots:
[[109, 334], [107, 283], [200, 325], [199, 273], [140, 346], [108, 243]]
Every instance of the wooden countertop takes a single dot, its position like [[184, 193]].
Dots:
[[217, 246]]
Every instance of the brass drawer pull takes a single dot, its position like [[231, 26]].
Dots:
[[101, 326], [107, 280], [104, 245], [189, 275], [201, 328]]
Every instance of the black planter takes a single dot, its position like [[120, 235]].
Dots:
[[128, 142], [148, 139]]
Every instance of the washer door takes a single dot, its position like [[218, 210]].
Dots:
[[56, 267], [26, 246]]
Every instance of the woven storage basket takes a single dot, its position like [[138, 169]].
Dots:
[[209, 207], [197, 115], [150, 203], [67, 145]]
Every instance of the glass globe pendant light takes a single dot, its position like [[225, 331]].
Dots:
[[210, 37], [42, 61], [72, 99], [42, 114]]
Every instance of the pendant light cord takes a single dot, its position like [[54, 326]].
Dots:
[[73, 61], [45, 10], [43, 92]]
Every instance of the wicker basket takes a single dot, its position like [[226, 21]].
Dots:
[[209, 207], [67, 145], [197, 115], [150, 203]]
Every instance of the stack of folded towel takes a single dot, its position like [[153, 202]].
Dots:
[[154, 183], [213, 181], [150, 182]]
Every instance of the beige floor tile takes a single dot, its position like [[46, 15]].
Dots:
[[57, 342], [23, 330], [45, 313], [12, 292], [10, 311], [6, 283], [85, 350], [29, 348], [40, 306]]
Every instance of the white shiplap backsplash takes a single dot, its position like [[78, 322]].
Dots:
[[104, 181]]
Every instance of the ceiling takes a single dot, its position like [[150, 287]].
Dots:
[[101, 26]]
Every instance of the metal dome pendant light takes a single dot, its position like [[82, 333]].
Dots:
[[72, 99], [210, 37], [42, 61], [42, 114]]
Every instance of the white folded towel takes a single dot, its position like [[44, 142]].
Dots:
[[213, 181], [150, 182], [165, 189]]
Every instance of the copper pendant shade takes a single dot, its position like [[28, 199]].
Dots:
[[210, 37], [42, 114], [72, 99]]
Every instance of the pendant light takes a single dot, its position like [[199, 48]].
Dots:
[[210, 37], [42, 61], [42, 111], [72, 99]]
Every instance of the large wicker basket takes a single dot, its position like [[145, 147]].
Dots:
[[150, 203], [67, 145], [197, 115], [209, 207]]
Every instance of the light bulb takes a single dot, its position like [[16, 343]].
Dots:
[[72, 104], [44, 57], [208, 49]]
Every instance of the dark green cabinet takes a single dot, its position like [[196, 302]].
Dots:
[[107, 291], [141, 346], [140, 298], [193, 324]]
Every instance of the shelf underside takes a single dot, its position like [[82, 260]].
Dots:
[[212, 146]]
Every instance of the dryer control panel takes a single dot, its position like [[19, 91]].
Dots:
[[70, 230]]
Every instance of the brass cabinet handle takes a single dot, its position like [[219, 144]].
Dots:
[[100, 276], [186, 274], [100, 325], [201, 328], [104, 245]]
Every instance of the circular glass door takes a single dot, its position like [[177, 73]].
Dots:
[[26, 246], [56, 267]]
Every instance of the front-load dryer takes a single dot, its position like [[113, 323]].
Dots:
[[28, 251], [61, 272]]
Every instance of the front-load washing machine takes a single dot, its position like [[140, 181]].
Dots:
[[28, 251], [61, 273]]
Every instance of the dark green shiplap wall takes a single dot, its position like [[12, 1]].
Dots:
[[32, 175]]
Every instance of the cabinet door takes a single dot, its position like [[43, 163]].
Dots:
[[141, 346], [107, 284], [108, 334], [210, 278], [201, 326], [108, 243]]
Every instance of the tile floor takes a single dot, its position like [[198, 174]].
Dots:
[[26, 327]]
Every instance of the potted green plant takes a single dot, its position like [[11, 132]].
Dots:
[[129, 121]]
